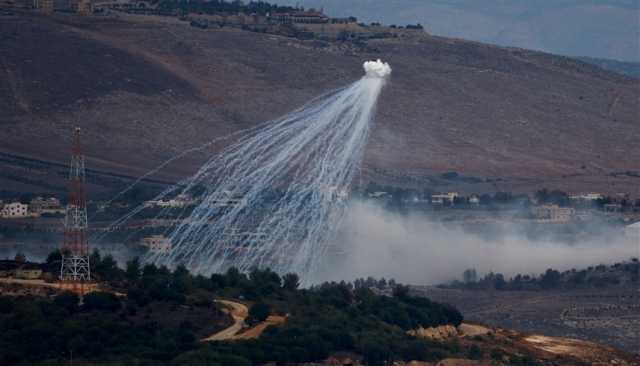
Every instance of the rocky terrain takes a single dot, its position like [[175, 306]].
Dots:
[[146, 88], [608, 316]]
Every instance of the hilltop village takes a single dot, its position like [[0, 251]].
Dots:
[[262, 17]]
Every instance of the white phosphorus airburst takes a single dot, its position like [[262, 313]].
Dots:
[[276, 197]]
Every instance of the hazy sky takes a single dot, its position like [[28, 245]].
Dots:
[[602, 28]]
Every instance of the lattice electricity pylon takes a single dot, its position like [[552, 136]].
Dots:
[[75, 270]]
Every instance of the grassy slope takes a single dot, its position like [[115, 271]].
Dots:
[[147, 88]]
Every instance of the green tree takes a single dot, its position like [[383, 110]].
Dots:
[[259, 312], [101, 301], [234, 277], [53, 262], [550, 279], [218, 281], [107, 269], [132, 273], [290, 282], [474, 353], [67, 300]]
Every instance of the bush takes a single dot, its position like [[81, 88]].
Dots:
[[259, 312], [101, 301], [6, 305], [474, 353], [497, 354], [290, 281], [67, 300]]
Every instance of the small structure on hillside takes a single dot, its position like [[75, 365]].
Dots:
[[300, 17], [612, 207], [586, 197], [29, 271], [14, 210], [553, 213], [21, 269], [39, 206], [442, 199], [226, 199], [182, 200], [474, 200], [157, 243]]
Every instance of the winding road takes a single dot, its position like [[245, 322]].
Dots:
[[239, 313]]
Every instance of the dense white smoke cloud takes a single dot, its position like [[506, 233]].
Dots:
[[377, 69], [415, 249], [276, 196]]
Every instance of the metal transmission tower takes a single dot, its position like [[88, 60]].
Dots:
[[75, 271]]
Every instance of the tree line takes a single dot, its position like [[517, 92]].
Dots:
[[625, 273], [133, 320]]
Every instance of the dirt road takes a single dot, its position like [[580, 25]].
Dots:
[[256, 331], [239, 313]]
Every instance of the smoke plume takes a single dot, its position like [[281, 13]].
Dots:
[[416, 249], [377, 69]]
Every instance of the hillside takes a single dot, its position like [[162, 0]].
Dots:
[[166, 315], [603, 28], [625, 68], [146, 88]]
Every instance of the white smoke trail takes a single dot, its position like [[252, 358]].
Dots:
[[276, 197]]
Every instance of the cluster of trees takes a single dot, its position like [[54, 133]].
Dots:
[[22, 197], [222, 6], [334, 317], [101, 329], [371, 282], [623, 273], [114, 329], [417, 26]]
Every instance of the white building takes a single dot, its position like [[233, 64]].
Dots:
[[334, 193], [157, 243], [226, 199], [182, 200], [553, 213], [14, 210], [51, 205], [300, 17], [444, 198], [474, 200], [587, 197]]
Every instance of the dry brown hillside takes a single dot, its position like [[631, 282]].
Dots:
[[146, 88]]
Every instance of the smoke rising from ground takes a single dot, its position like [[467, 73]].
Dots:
[[415, 249]]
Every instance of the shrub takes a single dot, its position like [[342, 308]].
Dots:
[[474, 353], [101, 301], [259, 312], [497, 354], [67, 300]]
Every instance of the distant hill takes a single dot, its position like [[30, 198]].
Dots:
[[146, 88], [603, 28], [626, 68]]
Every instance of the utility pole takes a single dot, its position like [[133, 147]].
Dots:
[[75, 271]]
